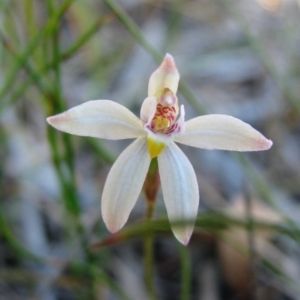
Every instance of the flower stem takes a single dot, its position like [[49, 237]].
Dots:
[[148, 256], [150, 210], [185, 272], [151, 186]]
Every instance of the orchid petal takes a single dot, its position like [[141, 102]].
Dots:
[[148, 110], [124, 184], [166, 76], [222, 132], [180, 190], [99, 118]]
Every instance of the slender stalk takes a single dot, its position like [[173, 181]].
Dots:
[[29, 16], [22, 58], [133, 29], [36, 75], [87, 35], [9, 21], [148, 256], [67, 157], [13, 242], [251, 242], [151, 186], [185, 272]]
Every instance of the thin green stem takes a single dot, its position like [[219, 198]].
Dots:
[[149, 262], [251, 242], [6, 232], [35, 42], [66, 188], [9, 24], [133, 29], [69, 155], [185, 272], [56, 104], [86, 36], [36, 75], [150, 188], [148, 256], [30, 70], [29, 15], [150, 209]]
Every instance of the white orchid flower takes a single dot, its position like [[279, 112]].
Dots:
[[155, 132]]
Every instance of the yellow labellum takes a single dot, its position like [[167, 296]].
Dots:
[[155, 148]]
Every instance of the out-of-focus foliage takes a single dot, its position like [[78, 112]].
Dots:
[[240, 58]]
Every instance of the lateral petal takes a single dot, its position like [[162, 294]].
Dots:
[[222, 132], [166, 76], [124, 184], [99, 118], [180, 190]]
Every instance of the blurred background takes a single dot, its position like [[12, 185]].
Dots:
[[240, 58]]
